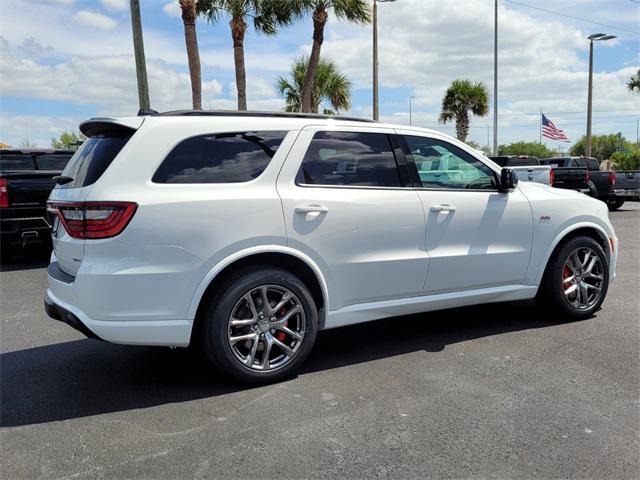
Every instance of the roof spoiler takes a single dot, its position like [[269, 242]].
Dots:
[[117, 126]]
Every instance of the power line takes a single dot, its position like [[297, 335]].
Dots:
[[553, 12]]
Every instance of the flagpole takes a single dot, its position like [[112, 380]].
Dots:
[[540, 124]]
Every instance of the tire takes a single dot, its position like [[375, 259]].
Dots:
[[614, 203], [242, 361], [562, 273]]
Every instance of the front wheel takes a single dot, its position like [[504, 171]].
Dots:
[[260, 326], [576, 280], [614, 203]]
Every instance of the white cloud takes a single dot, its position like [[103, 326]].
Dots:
[[38, 129], [90, 19], [172, 9], [117, 5], [57, 2], [108, 82]]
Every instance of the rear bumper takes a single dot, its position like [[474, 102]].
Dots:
[[626, 192], [59, 313], [170, 333]]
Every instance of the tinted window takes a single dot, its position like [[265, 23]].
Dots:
[[349, 158], [443, 165], [554, 162], [219, 158], [523, 162], [92, 159], [593, 164], [53, 161], [502, 161], [16, 161]]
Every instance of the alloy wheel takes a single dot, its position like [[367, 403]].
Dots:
[[266, 327], [583, 277]]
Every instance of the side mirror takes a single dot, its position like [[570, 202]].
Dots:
[[508, 180]]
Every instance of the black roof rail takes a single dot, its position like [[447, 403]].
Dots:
[[249, 113], [147, 111]]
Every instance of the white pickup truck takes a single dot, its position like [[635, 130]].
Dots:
[[528, 169]]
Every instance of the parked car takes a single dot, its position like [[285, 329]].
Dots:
[[246, 233], [527, 168], [26, 179], [627, 187], [583, 174]]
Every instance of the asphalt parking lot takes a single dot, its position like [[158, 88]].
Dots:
[[497, 391]]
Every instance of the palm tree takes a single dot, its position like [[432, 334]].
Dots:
[[267, 16], [634, 82], [189, 14], [460, 98], [352, 10], [330, 88]]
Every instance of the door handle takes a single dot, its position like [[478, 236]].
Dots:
[[311, 209], [442, 208]]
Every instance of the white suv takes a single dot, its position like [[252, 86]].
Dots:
[[246, 233]]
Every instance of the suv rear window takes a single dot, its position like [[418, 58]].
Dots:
[[349, 158], [93, 157], [219, 158]]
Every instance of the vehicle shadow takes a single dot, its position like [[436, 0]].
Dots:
[[87, 377], [15, 258]]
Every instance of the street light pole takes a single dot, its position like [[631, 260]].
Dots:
[[410, 110], [495, 78], [375, 60], [596, 37], [374, 19]]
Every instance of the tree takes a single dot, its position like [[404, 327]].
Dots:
[[267, 16], [634, 83], [189, 14], [462, 97], [26, 143], [352, 10], [602, 146], [533, 149], [628, 160], [330, 88], [67, 141], [138, 50]]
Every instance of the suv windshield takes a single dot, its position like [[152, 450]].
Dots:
[[92, 159], [53, 161]]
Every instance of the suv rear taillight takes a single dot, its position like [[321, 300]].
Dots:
[[552, 177], [90, 220], [612, 178], [4, 193]]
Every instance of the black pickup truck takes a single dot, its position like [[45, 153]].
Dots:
[[583, 174], [627, 188], [26, 180]]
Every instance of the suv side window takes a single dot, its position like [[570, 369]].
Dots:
[[219, 158], [349, 158], [443, 165]]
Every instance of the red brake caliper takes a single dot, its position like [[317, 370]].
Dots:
[[566, 273], [281, 335]]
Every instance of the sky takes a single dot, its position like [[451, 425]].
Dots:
[[63, 61]]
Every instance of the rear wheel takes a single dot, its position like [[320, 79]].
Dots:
[[260, 326], [614, 203], [576, 280]]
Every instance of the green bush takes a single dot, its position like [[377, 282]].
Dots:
[[533, 149], [629, 160]]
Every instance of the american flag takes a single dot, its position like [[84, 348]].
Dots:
[[549, 130]]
